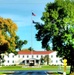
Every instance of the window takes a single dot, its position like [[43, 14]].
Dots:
[[32, 56], [8, 61], [13, 56], [56, 61], [13, 61], [23, 56], [51, 56], [41, 56], [37, 56], [27, 56]]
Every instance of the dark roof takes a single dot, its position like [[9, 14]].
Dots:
[[34, 52]]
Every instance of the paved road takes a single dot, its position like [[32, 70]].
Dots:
[[32, 72], [29, 73]]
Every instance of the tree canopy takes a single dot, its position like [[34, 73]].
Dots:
[[7, 35], [58, 28]]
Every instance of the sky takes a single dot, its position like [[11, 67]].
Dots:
[[20, 12]]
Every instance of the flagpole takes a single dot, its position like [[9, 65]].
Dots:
[[32, 14], [31, 33]]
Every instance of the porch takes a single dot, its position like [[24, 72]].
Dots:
[[31, 62]]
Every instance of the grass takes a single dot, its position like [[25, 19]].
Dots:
[[43, 67], [54, 68]]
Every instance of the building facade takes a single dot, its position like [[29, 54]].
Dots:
[[32, 58]]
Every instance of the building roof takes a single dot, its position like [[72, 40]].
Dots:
[[34, 52]]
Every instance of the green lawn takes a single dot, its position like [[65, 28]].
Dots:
[[43, 67]]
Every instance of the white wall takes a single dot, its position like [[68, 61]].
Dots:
[[9, 59], [54, 60]]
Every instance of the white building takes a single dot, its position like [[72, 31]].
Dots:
[[28, 57]]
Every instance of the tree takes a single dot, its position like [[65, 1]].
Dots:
[[1, 59], [7, 35], [46, 59], [58, 28], [42, 60], [30, 49], [19, 43]]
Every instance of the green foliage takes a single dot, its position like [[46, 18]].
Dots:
[[46, 59], [19, 43], [30, 49], [58, 28], [42, 60]]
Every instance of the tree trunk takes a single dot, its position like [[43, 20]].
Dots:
[[72, 61], [72, 68]]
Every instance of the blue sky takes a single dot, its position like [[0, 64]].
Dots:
[[20, 11]]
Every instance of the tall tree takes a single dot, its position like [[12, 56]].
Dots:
[[58, 28], [7, 35]]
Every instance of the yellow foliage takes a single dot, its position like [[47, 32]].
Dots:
[[7, 32]]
